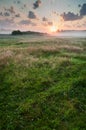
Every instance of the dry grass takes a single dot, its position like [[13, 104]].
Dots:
[[42, 84]]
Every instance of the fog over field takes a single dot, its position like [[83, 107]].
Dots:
[[71, 34]]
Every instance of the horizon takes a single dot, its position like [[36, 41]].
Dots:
[[58, 31], [45, 16], [53, 33], [63, 33]]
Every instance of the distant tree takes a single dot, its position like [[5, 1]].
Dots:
[[16, 32]]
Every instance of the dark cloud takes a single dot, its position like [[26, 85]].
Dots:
[[25, 5], [70, 16], [83, 10], [17, 15], [79, 5], [47, 23], [44, 19], [18, 2], [6, 14], [1, 14], [36, 4], [27, 22], [32, 15], [11, 10]]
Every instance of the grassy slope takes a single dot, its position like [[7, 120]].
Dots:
[[42, 84]]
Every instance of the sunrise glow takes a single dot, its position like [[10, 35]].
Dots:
[[42, 15], [53, 29]]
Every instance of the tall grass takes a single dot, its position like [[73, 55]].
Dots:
[[42, 84]]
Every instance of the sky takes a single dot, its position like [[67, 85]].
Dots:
[[42, 15]]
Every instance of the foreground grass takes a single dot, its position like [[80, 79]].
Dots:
[[43, 84]]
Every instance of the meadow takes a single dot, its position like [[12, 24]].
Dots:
[[42, 83]]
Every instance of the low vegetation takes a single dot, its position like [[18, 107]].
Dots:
[[18, 32], [42, 84]]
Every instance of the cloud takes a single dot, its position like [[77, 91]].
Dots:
[[50, 23], [6, 14], [32, 15], [25, 5], [44, 19], [84, 24], [83, 10], [79, 5], [11, 10], [46, 22], [70, 16], [27, 22], [17, 15], [6, 22], [18, 2], [36, 4], [5, 29], [1, 14]]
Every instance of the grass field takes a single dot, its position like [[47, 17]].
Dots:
[[42, 83]]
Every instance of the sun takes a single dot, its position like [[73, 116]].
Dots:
[[53, 29]]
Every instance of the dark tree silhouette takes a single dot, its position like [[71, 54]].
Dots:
[[16, 32]]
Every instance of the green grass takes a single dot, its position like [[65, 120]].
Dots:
[[42, 84]]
